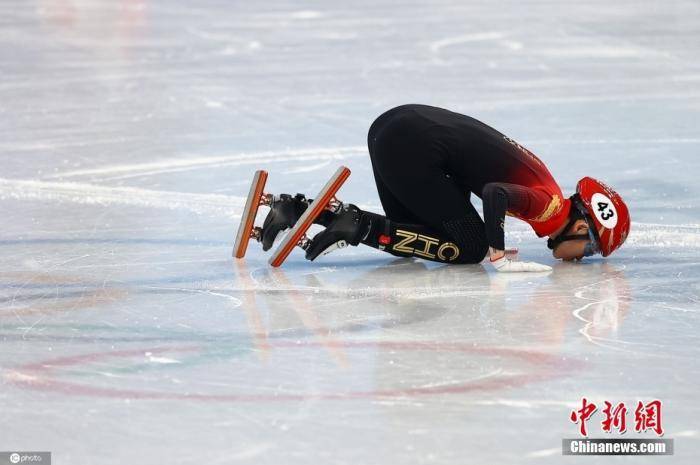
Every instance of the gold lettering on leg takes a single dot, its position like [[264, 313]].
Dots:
[[448, 246], [429, 242], [408, 237]]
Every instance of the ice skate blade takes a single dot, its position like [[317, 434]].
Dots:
[[249, 212]]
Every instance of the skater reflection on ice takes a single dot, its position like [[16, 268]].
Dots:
[[427, 162], [599, 306], [412, 293]]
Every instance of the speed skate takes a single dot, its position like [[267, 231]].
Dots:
[[324, 201]]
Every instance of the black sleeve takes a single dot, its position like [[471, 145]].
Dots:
[[498, 198]]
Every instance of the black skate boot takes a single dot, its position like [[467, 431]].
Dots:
[[346, 228], [285, 210]]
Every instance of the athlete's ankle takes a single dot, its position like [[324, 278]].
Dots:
[[373, 227]]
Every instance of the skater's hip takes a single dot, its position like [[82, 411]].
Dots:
[[401, 115]]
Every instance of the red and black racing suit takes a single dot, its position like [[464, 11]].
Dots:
[[427, 161]]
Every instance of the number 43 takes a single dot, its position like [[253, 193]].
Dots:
[[605, 215]]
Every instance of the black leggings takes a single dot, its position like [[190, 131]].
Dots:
[[428, 214]]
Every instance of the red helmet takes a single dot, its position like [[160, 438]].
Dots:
[[607, 211]]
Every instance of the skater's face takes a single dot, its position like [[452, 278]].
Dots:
[[572, 250]]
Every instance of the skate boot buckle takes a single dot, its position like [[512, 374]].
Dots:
[[335, 246]]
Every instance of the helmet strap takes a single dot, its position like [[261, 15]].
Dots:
[[552, 243], [578, 213]]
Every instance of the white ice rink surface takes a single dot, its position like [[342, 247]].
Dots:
[[129, 131]]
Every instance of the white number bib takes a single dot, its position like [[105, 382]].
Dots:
[[604, 210]]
